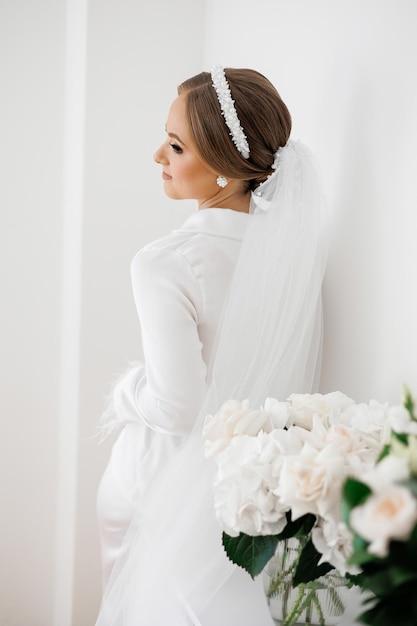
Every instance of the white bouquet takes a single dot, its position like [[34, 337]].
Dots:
[[280, 474]]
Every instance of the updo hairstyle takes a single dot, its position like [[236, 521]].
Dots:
[[263, 115]]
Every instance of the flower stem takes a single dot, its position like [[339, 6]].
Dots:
[[320, 613], [305, 600]]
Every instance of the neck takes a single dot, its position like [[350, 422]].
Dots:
[[227, 200]]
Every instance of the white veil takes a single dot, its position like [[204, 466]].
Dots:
[[269, 344]]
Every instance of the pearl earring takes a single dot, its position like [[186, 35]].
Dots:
[[221, 181]]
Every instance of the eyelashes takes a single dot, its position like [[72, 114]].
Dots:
[[176, 148]]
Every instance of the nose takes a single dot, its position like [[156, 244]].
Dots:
[[159, 156]]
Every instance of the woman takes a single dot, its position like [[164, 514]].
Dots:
[[229, 306]]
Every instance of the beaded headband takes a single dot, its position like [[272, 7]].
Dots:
[[229, 113]]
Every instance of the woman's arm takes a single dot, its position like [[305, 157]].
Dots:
[[168, 391]]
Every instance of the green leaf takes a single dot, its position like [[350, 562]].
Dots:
[[354, 493], [411, 484], [360, 555], [401, 554], [308, 568], [399, 609], [250, 553], [299, 528], [387, 582], [355, 579], [409, 403], [412, 540], [401, 437], [384, 452]]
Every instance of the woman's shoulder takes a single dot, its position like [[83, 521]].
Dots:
[[163, 250], [165, 259], [206, 224], [205, 238]]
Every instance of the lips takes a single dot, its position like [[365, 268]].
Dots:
[[166, 176]]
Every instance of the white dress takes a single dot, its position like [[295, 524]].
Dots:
[[270, 345], [179, 285]]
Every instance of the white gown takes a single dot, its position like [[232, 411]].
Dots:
[[179, 285], [176, 571]]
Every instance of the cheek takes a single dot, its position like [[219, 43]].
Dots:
[[191, 176], [180, 170]]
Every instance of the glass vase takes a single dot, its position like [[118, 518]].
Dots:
[[321, 602]]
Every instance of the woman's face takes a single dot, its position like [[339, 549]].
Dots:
[[184, 173]]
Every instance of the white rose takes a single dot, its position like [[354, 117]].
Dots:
[[391, 514], [334, 541], [311, 481], [304, 406], [400, 420], [406, 451], [371, 420], [391, 469], [234, 418], [281, 443], [243, 497], [347, 439], [357, 453], [239, 514], [279, 412]]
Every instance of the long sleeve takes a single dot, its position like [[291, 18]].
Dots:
[[167, 391]]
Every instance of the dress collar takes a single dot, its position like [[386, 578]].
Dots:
[[218, 222]]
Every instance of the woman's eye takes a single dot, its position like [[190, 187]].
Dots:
[[176, 148]]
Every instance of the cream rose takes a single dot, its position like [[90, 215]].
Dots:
[[391, 514], [310, 482]]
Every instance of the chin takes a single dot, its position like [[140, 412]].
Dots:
[[169, 192], [171, 195]]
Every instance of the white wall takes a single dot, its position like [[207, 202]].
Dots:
[[136, 53], [344, 67], [346, 70], [32, 57]]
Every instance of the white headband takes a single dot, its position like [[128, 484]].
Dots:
[[229, 113]]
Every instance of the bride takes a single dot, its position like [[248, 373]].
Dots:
[[229, 306]]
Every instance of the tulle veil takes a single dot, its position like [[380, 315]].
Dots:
[[269, 344]]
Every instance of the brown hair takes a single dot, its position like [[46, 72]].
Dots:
[[263, 115]]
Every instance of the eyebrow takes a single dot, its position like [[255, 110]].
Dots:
[[174, 136]]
